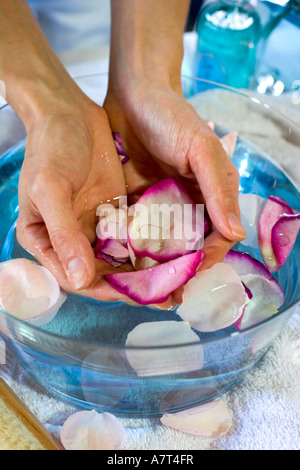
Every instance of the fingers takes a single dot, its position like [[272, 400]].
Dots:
[[219, 183], [62, 238]]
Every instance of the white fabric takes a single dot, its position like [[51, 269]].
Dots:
[[73, 24]]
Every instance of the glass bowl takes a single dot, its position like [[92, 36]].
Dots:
[[80, 356]]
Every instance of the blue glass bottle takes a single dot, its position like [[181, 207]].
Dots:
[[228, 34]]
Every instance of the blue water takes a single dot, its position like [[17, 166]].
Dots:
[[60, 366]]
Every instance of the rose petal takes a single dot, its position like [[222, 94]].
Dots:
[[267, 295], [112, 251], [159, 359], [229, 143], [214, 299], [210, 420], [104, 388], [29, 291], [274, 209], [89, 430], [251, 207], [166, 222], [120, 149], [112, 225], [284, 236], [154, 285]]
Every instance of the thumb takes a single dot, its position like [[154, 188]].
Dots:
[[219, 183], [72, 247]]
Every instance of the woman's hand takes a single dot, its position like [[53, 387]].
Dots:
[[165, 137], [70, 167]]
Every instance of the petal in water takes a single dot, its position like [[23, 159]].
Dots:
[[267, 295], [274, 209], [154, 285], [89, 430], [284, 236], [229, 143], [214, 299], [251, 207], [159, 359], [29, 291]]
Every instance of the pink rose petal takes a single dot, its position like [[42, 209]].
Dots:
[[229, 143], [166, 222], [157, 358], [29, 291], [211, 420], [267, 295], [154, 285], [214, 299], [89, 430], [274, 209], [284, 236]]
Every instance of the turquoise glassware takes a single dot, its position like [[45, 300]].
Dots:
[[228, 35]]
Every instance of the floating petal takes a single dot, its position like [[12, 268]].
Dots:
[[159, 359], [274, 209], [251, 207], [284, 236], [267, 295], [29, 291], [214, 299], [229, 143]]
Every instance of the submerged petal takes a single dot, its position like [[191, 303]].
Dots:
[[157, 358], [89, 430], [214, 299], [210, 420]]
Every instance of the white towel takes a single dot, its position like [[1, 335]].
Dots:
[[265, 407]]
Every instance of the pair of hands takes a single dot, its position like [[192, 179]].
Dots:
[[71, 165]]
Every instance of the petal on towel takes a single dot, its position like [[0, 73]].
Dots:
[[213, 299], [210, 420], [29, 291], [159, 359], [89, 430]]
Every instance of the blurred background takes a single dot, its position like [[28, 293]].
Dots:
[[249, 44], [246, 44]]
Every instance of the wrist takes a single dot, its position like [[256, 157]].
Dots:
[[41, 93], [152, 54]]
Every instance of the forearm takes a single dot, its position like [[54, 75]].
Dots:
[[31, 71], [147, 40]]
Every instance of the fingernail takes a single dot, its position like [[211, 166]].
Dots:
[[77, 273], [236, 226]]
